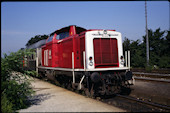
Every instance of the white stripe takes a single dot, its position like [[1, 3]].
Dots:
[[44, 58]]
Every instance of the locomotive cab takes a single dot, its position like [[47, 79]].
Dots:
[[58, 47]]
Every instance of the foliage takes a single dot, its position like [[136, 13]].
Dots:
[[6, 105], [126, 44], [159, 46], [32, 73], [15, 85], [164, 62], [36, 39]]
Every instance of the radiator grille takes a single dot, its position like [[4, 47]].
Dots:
[[105, 52]]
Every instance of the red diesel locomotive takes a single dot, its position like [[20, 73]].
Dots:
[[89, 60]]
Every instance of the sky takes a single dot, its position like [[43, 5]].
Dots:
[[20, 21]]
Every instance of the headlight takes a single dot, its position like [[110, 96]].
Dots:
[[91, 63]]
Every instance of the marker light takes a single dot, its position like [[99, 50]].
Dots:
[[105, 32], [91, 63], [90, 58], [121, 57]]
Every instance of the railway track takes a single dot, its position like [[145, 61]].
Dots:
[[161, 71], [145, 102], [157, 75], [135, 105], [152, 77]]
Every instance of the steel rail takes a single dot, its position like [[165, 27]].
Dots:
[[152, 74], [145, 102], [152, 79]]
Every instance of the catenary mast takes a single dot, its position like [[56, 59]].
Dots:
[[147, 42]]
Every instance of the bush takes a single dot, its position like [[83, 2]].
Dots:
[[17, 93], [164, 62], [6, 105], [16, 87], [148, 68], [32, 73]]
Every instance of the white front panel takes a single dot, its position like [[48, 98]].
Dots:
[[89, 48]]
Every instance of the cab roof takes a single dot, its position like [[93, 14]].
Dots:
[[66, 29]]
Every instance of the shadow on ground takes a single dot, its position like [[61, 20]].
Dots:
[[37, 99]]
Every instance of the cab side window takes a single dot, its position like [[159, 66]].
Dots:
[[58, 37], [62, 35], [50, 38]]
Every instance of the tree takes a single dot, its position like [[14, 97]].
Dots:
[[159, 46], [136, 52], [36, 39], [164, 61], [167, 44], [137, 56], [126, 44]]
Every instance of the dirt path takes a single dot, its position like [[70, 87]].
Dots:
[[51, 98]]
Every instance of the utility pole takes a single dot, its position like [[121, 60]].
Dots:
[[147, 42]]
